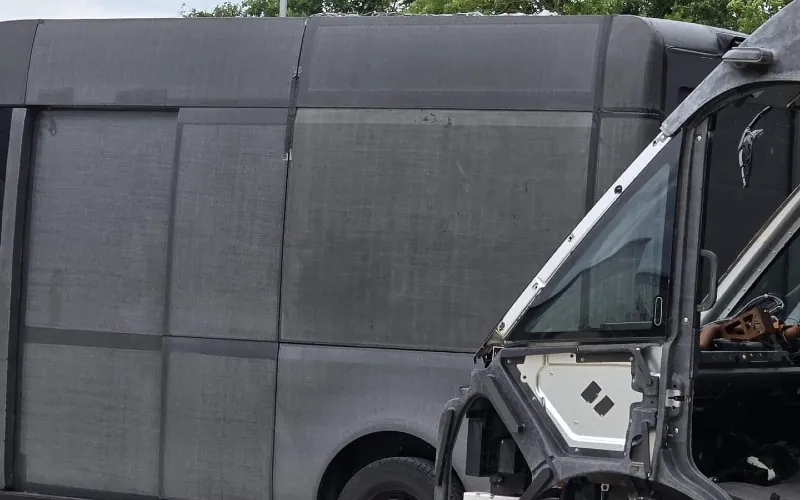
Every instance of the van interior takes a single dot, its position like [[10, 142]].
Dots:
[[746, 421]]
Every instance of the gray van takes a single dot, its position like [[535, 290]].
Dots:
[[251, 258]]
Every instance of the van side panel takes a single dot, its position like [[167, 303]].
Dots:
[[634, 77], [16, 41], [508, 63], [330, 396], [164, 62], [221, 353], [95, 290], [228, 227], [151, 302], [220, 409], [414, 229], [622, 138]]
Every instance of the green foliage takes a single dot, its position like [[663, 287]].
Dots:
[[739, 15], [297, 8], [259, 8]]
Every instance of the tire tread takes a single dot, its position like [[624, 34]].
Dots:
[[421, 467]]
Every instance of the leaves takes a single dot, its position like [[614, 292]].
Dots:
[[738, 15], [297, 8]]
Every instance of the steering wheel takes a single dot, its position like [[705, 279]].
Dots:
[[772, 304]]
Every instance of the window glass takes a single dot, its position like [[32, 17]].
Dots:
[[611, 284]]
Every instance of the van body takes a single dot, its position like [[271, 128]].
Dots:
[[245, 258]]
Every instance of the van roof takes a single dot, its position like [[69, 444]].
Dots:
[[466, 62]]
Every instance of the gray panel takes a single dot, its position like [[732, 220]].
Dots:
[[634, 66], [450, 62], [165, 62], [98, 232], [16, 40], [419, 228], [328, 397], [219, 428], [692, 37], [11, 244], [233, 116], [90, 418], [622, 138], [228, 230]]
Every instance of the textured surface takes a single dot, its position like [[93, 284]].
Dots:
[[229, 221], [418, 228], [634, 66], [220, 414], [98, 234], [16, 38], [622, 138], [5, 132], [11, 244], [321, 406], [90, 418], [388, 62], [164, 62]]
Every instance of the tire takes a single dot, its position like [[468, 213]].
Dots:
[[396, 478]]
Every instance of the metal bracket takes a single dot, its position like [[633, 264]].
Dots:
[[675, 398], [643, 416]]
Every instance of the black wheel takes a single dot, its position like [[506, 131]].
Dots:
[[396, 478]]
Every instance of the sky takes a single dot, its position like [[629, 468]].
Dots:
[[87, 9]]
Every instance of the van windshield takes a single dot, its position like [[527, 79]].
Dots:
[[615, 283]]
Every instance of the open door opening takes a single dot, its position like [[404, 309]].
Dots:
[[746, 401]]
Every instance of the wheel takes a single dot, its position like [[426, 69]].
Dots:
[[396, 478]]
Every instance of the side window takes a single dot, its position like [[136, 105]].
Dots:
[[616, 281]]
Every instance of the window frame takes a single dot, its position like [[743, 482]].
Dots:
[[674, 152]]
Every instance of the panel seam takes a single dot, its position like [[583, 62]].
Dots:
[[30, 62], [594, 146], [170, 244], [291, 118]]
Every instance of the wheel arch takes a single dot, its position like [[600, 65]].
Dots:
[[366, 448]]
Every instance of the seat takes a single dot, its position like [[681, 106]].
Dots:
[[787, 490]]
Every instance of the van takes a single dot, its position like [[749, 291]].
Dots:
[[251, 258]]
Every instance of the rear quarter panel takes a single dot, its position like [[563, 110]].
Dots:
[[330, 396]]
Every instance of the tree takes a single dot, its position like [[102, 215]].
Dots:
[[300, 8], [259, 8], [738, 15]]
